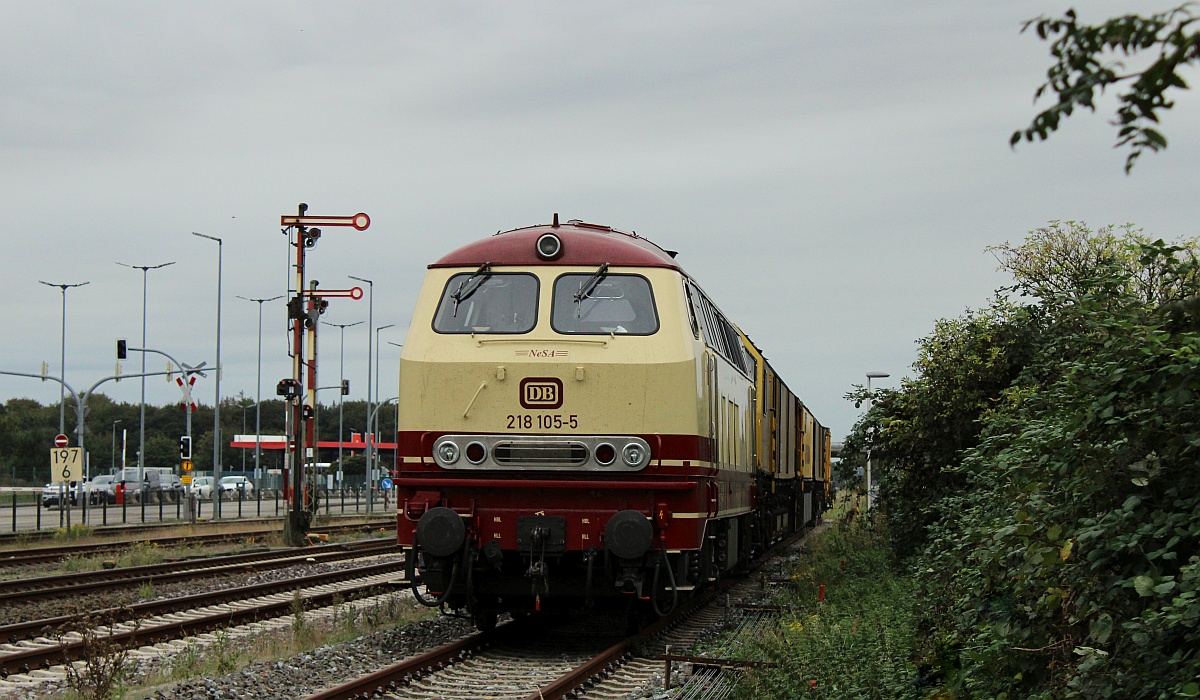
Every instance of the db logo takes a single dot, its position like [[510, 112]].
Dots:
[[541, 392]]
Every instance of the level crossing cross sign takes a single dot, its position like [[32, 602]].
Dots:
[[186, 388]]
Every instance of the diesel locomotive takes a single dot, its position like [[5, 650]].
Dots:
[[579, 424]]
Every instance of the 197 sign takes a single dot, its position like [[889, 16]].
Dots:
[[66, 464]]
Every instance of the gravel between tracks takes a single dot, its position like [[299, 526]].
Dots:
[[306, 673]]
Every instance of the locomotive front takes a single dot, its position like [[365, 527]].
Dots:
[[552, 444]]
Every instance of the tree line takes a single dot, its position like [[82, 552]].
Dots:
[[27, 430]]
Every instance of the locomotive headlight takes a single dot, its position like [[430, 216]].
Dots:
[[606, 454], [634, 454], [549, 246], [447, 452], [476, 452]]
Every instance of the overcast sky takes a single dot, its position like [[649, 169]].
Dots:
[[830, 172]]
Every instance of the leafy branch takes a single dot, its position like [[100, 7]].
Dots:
[[1079, 72]]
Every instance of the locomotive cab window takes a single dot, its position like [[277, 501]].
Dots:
[[603, 304], [487, 302]]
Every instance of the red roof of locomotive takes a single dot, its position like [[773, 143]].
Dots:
[[582, 244]]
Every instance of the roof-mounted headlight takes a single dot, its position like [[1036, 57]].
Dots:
[[549, 246]]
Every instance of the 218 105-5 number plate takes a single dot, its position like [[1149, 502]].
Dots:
[[542, 421]]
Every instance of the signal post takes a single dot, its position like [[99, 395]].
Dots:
[[305, 305]]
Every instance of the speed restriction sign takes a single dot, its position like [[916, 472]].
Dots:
[[66, 464]]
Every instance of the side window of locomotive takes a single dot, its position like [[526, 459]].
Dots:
[[617, 304], [497, 303], [689, 293]]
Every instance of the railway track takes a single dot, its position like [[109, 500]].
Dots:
[[522, 661], [65, 585], [507, 664], [44, 643], [40, 555]]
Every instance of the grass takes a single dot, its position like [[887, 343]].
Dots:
[[858, 642]]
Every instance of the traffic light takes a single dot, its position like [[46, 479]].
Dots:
[[122, 351], [345, 387], [185, 447]]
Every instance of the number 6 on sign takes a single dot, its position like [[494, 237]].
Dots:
[[66, 464]]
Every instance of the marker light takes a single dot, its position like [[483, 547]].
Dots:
[[633, 454], [447, 452]]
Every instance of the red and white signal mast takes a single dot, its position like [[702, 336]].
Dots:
[[305, 305]]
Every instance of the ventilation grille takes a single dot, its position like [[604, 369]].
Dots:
[[514, 453]]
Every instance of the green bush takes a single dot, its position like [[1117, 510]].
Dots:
[[859, 642], [1067, 563]]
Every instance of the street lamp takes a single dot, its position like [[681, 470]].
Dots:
[[142, 411], [375, 423], [242, 404], [370, 330], [342, 378], [62, 398], [258, 398], [217, 400], [395, 452], [870, 376]]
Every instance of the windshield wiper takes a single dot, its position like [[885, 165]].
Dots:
[[586, 288], [470, 285]]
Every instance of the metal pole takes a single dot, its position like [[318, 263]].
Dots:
[[871, 375], [370, 329], [396, 451], [342, 378], [217, 392], [373, 424], [113, 460], [142, 410], [258, 399], [62, 363]]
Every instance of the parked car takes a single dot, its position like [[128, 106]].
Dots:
[[236, 487], [170, 488], [139, 488], [101, 489], [202, 487], [50, 494]]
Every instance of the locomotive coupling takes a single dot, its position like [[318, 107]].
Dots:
[[441, 531]]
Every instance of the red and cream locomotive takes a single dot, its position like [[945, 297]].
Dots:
[[579, 423]]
